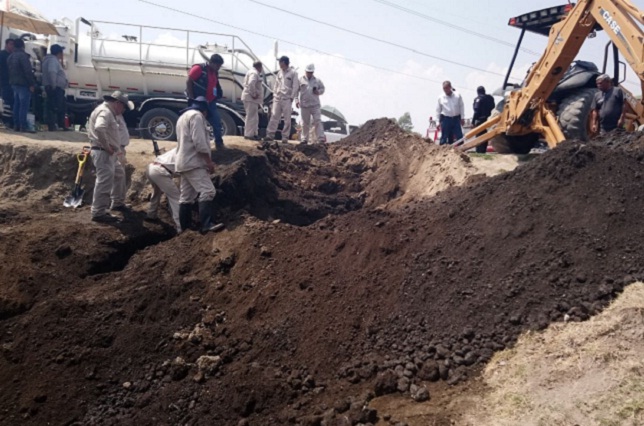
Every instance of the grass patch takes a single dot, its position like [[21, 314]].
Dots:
[[482, 156]]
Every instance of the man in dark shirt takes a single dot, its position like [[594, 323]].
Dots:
[[23, 82], [607, 107], [483, 106], [203, 80], [5, 87]]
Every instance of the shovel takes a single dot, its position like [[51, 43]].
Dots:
[[75, 199]]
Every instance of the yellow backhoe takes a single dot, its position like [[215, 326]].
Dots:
[[533, 111]]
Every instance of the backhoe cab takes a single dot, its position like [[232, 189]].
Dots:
[[553, 102]]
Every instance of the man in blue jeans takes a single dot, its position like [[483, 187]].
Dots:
[[7, 90], [203, 80], [23, 82], [451, 111]]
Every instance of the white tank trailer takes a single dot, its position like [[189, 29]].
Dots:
[[152, 73]]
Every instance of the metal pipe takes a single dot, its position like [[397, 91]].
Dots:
[[514, 58]]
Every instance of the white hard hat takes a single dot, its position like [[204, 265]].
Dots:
[[310, 68]]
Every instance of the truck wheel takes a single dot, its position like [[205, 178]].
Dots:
[[228, 125], [574, 112], [161, 124]]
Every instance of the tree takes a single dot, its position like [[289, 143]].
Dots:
[[405, 122]]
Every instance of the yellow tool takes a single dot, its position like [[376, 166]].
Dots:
[[76, 198]]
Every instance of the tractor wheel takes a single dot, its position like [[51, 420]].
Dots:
[[504, 144], [574, 113]]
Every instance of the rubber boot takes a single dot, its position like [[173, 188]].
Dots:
[[185, 216], [205, 216]]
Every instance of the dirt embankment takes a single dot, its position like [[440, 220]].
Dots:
[[277, 323]]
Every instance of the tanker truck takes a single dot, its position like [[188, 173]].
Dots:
[[153, 73]]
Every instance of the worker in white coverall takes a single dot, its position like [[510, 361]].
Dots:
[[160, 174], [119, 188], [105, 137], [194, 164], [253, 97], [310, 90], [285, 89]]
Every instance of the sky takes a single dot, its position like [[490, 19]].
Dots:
[[411, 47]]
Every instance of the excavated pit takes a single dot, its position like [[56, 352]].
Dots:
[[381, 274]]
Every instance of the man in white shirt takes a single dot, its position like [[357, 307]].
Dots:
[[311, 88], [160, 173], [451, 111], [106, 136], [285, 89], [194, 163], [253, 97]]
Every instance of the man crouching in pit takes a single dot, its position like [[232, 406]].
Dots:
[[194, 164]]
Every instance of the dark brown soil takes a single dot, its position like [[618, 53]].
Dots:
[[272, 323]]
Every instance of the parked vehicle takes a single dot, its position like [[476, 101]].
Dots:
[[152, 73], [336, 127], [554, 101]]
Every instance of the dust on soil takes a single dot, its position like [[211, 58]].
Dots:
[[589, 373], [355, 292]]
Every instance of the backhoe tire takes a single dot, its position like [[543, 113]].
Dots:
[[574, 113], [504, 144], [161, 123]]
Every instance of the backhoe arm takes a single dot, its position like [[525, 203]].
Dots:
[[526, 111]]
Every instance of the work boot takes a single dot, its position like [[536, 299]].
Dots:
[[304, 142], [123, 208], [185, 216], [219, 144], [270, 137], [105, 218], [205, 217]]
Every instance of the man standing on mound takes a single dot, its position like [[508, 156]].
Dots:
[[195, 165], [285, 89]]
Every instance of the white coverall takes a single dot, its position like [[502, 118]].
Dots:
[[119, 189], [253, 97], [103, 131], [310, 107], [192, 140], [285, 90], [160, 174]]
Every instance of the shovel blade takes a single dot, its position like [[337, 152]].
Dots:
[[74, 200]]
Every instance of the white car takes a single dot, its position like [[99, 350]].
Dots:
[[335, 131]]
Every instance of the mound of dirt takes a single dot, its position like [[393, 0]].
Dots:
[[39, 174], [590, 372], [272, 323], [398, 166]]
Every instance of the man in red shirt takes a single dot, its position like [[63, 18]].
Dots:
[[203, 80]]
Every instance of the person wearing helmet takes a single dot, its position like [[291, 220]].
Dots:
[[284, 91], [311, 88]]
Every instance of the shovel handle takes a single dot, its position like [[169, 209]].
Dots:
[[82, 159]]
